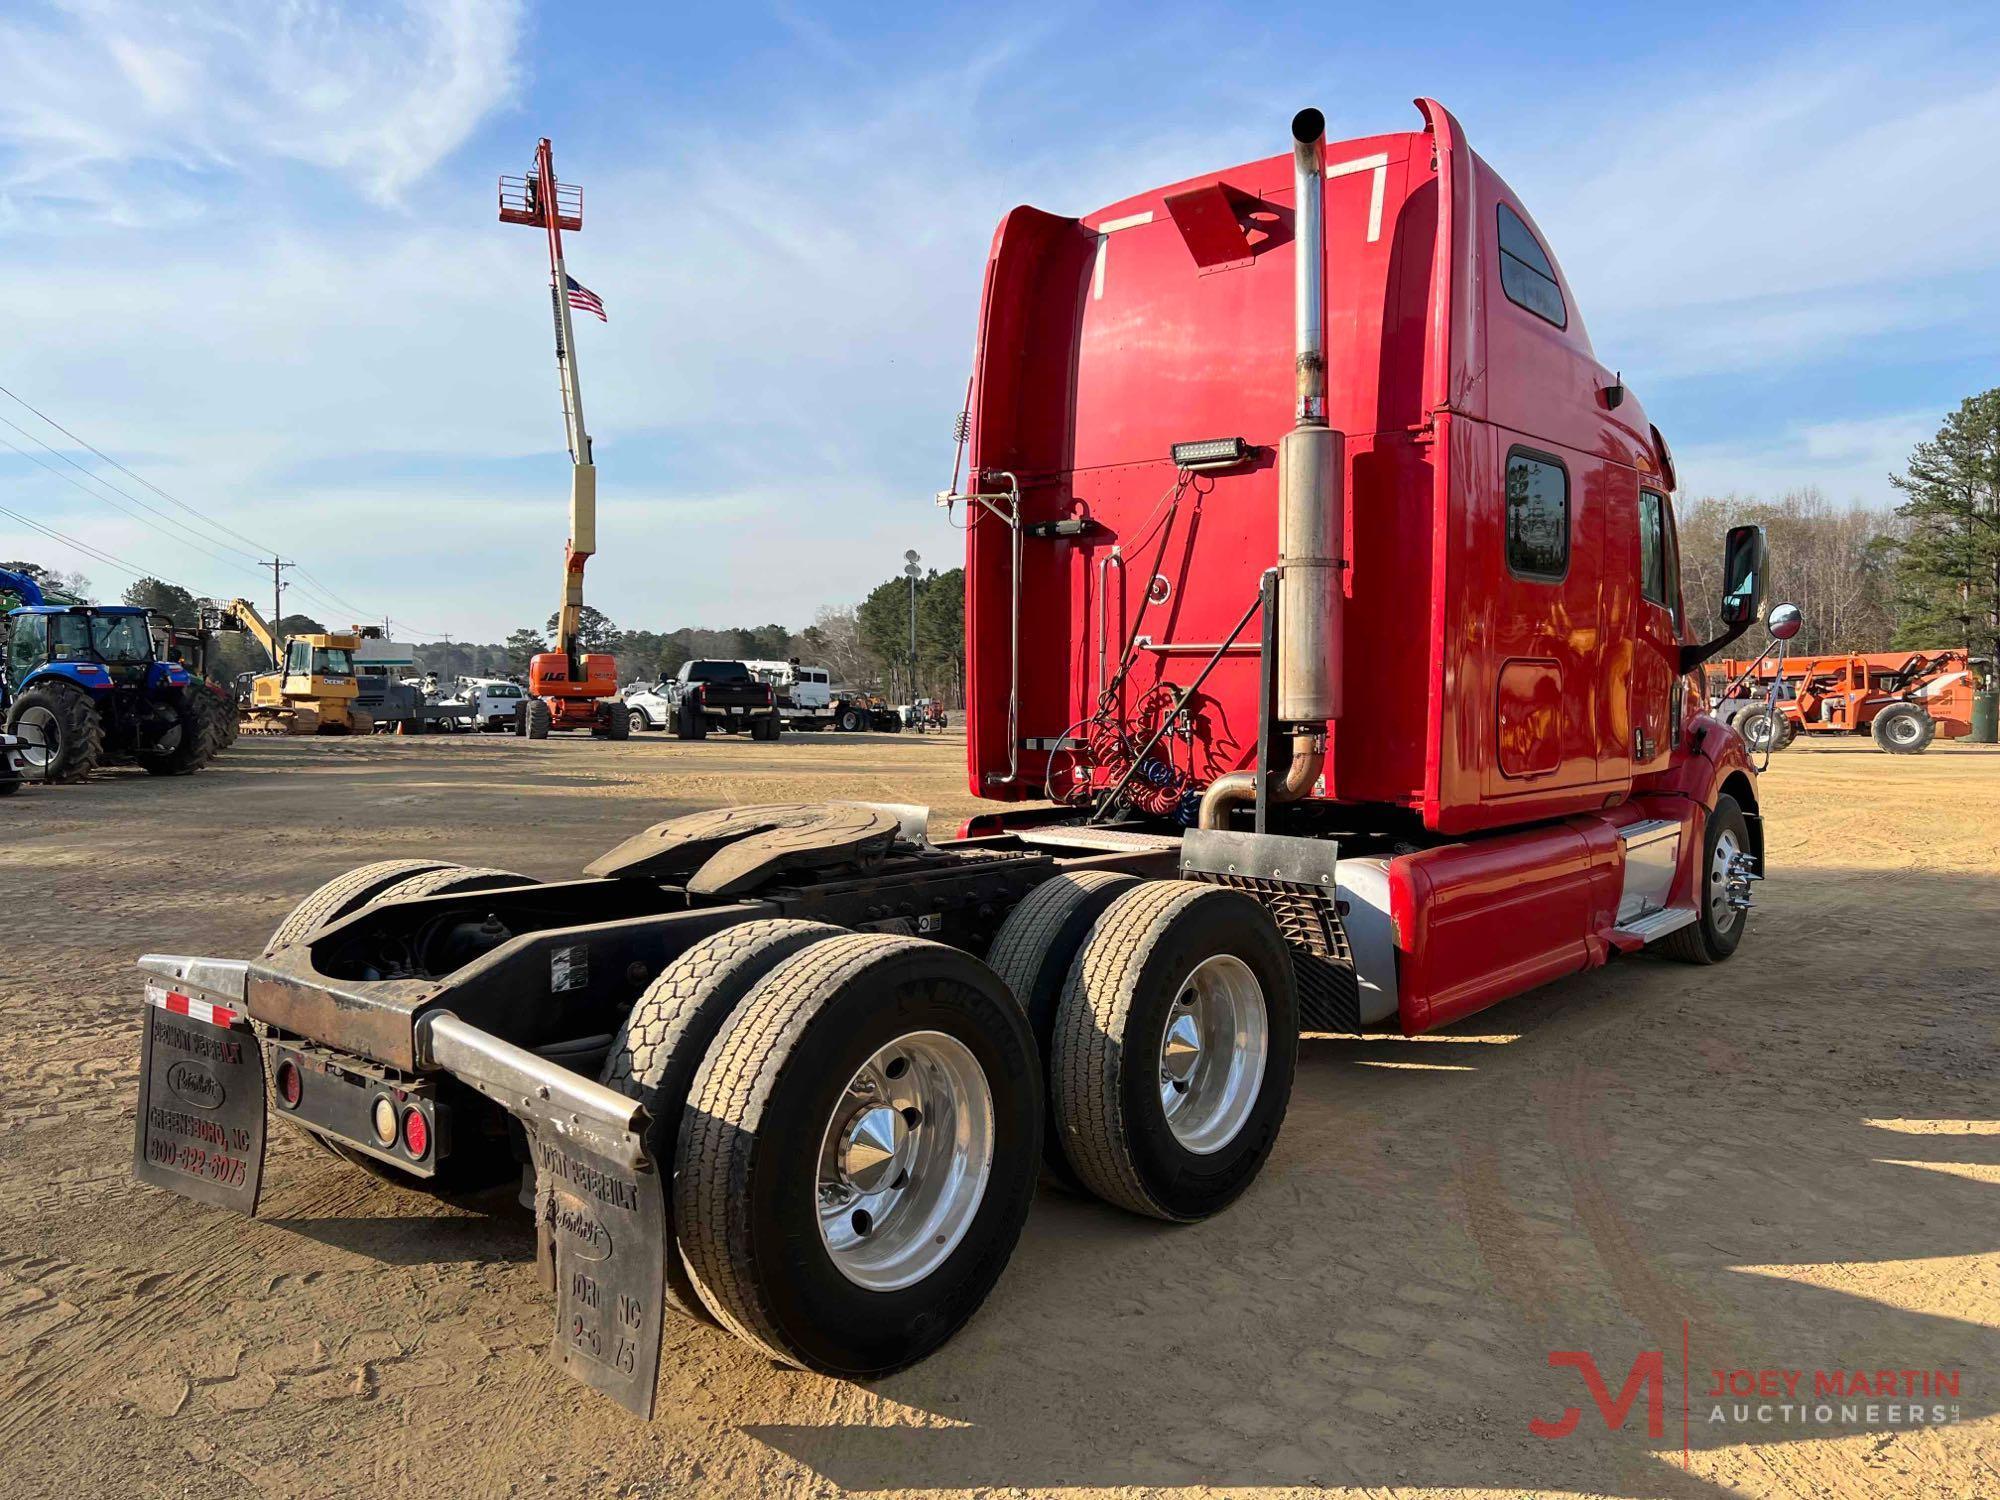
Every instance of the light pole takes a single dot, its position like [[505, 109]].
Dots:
[[912, 572]]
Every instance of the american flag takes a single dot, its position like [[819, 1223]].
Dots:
[[583, 299]]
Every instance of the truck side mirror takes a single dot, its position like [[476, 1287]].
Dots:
[[1785, 621], [1746, 565]]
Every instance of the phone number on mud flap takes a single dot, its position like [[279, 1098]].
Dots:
[[214, 1166]]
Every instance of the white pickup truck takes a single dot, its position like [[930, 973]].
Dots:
[[489, 702]]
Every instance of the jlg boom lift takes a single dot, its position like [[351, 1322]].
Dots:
[[568, 688], [1300, 511]]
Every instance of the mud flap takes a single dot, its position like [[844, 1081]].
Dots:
[[601, 1229], [201, 1101]]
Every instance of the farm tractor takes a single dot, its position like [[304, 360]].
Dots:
[[1327, 419], [84, 687], [1902, 700], [312, 687]]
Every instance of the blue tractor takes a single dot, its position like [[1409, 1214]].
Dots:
[[84, 686]]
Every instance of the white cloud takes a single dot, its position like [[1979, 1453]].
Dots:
[[1847, 461], [1780, 215], [96, 96]]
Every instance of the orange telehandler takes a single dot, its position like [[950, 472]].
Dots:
[[1901, 699]]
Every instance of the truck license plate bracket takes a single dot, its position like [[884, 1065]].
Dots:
[[601, 1233], [201, 1117]]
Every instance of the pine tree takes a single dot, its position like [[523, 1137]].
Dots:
[[1948, 574]]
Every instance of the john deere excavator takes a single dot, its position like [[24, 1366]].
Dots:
[[311, 689]]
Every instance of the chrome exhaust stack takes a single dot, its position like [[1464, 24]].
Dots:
[[1311, 463]]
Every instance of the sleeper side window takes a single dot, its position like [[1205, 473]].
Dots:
[[1526, 274], [1653, 547], [1537, 515]]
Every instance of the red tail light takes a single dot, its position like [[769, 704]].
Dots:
[[290, 1085], [416, 1134]]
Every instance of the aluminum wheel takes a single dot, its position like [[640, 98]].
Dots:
[[905, 1160], [1721, 871], [37, 731], [1212, 1054]]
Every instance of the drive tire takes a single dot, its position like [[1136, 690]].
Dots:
[[666, 1035], [1032, 954], [1106, 1069], [1707, 939], [763, 1110], [64, 722], [539, 716], [1903, 729], [614, 723], [693, 723], [344, 895], [849, 721]]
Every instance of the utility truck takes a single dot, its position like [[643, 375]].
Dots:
[[1323, 421]]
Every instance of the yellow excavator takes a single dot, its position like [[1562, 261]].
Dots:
[[312, 689]]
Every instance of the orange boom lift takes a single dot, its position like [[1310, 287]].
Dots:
[[567, 688]]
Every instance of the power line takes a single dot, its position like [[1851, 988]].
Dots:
[[142, 479], [194, 545], [93, 553], [319, 591]]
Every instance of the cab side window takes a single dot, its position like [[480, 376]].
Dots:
[[298, 659], [1537, 516], [24, 651], [1526, 274], [69, 638], [1653, 548]]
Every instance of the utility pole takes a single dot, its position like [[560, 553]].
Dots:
[[912, 572], [277, 565]]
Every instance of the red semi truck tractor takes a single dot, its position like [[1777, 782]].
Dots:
[[1325, 622]]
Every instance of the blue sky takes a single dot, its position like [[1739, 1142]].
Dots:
[[248, 248]]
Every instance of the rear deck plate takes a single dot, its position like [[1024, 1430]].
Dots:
[[201, 1122]]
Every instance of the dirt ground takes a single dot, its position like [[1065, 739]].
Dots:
[[1787, 1163]]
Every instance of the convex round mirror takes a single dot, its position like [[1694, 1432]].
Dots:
[[1785, 621]]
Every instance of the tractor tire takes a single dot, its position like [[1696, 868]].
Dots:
[[63, 731], [660, 1047], [536, 718], [636, 722], [858, 1153], [1764, 729], [344, 895], [198, 737], [1718, 927], [1175, 1043], [1032, 954], [849, 721], [1903, 729]]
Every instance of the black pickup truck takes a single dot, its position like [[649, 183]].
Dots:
[[725, 696]]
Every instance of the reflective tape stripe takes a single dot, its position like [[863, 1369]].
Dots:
[[195, 1010]]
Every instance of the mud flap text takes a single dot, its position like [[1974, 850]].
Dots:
[[201, 1108], [601, 1229]]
